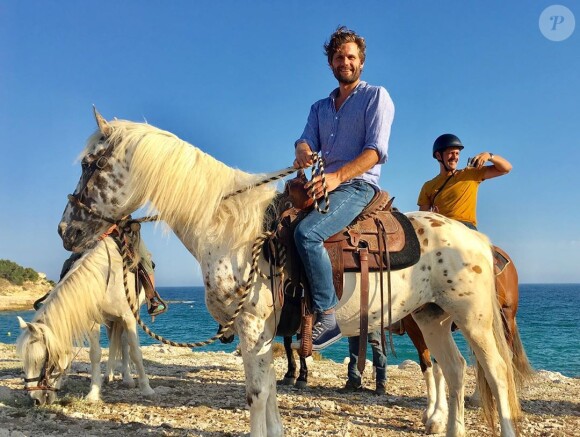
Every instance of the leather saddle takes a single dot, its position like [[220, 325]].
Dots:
[[379, 239]]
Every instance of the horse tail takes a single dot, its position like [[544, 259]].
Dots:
[[115, 349], [522, 367], [487, 400]]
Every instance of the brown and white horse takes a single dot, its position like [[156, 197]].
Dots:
[[127, 165]]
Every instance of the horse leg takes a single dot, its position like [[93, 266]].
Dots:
[[495, 372], [256, 346], [414, 333], [112, 361], [128, 380], [137, 356], [302, 381], [435, 325], [290, 376], [119, 340], [441, 412], [94, 394]]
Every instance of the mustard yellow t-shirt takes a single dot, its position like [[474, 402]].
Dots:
[[458, 199]]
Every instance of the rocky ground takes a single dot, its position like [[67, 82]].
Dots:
[[202, 394]]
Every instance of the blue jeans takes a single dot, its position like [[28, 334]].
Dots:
[[379, 359], [346, 202]]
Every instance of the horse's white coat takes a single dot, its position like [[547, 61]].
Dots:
[[74, 311], [187, 187]]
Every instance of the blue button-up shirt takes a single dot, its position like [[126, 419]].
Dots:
[[362, 122]]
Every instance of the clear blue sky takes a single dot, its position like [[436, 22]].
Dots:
[[237, 80]]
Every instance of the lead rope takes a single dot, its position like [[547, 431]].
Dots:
[[254, 271]]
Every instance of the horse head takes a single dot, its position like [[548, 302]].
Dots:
[[43, 370], [102, 196]]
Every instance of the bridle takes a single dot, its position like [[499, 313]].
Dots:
[[90, 170], [47, 373]]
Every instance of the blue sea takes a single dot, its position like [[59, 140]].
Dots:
[[547, 319]]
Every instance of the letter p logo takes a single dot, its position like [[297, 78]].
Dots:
[[557, 23], [556, 19]]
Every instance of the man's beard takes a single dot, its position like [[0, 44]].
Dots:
[[347, 78]]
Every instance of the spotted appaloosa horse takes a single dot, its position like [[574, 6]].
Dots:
[[90, 294], [435, 415], [127, 165]]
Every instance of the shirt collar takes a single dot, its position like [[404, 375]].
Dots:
[[334, 93]]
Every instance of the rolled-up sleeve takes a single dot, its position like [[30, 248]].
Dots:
[[311, 134], [378, 119]]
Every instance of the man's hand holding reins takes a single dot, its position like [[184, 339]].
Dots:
[[303, 154]]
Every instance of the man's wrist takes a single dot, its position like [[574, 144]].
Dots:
[[490, 156]]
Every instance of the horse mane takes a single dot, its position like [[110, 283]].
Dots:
[[71, 309], [188, 186]]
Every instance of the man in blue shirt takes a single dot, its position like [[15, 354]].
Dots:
[[350, 129]]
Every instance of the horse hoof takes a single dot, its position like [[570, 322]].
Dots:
[[301, 384], [149, 392], [434, 428], [287, 381], [130, 383], [92, 398], [473, 401]]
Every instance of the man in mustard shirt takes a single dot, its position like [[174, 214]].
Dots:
[[453, 192]]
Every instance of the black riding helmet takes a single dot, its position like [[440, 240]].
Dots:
[[445, 141]]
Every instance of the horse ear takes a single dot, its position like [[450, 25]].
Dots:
[[102, 123], [34, 331]]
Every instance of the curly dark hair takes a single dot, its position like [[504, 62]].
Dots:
[[342, 35]]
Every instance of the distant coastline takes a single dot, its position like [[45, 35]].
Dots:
[[21, 297]]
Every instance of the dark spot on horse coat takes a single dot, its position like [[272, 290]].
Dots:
[[476, 269], [449, 281], [420, 231], [250, 397], [426, 242]]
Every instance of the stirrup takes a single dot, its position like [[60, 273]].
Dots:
[[156, 306]]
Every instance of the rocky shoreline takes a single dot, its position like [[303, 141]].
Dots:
[[203, 394], [21, 297]]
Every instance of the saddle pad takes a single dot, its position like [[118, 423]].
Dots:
[[499, 261]]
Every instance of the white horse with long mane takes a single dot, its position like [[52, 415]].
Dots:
[[91, 294], [127, 165]]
